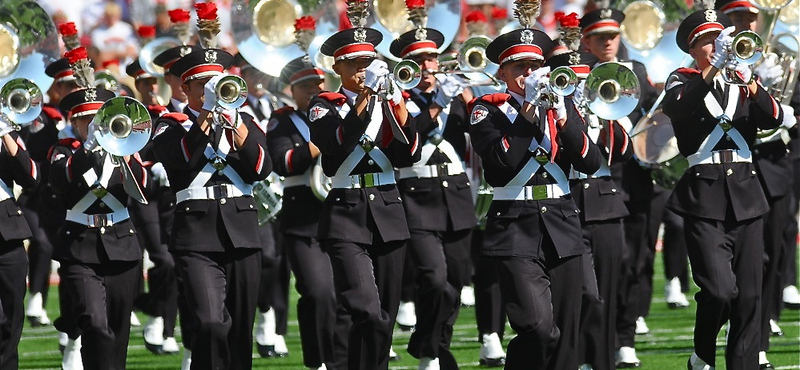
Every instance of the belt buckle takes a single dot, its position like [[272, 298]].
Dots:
[[725, 122], [220, 191], [98, 220], [368, 180], [539, 192], [441, 170], [219, 163]]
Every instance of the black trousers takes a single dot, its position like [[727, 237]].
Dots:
[[13, 267], [367, 279], [101, 298], [162, 296], [317, 308], [275, 275], [676, 258], [221, 289], [726, 264], [490, 313], [776, 221], [601, 273], [543, 305], [44, 223], [436, 257]]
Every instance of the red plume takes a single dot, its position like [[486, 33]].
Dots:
[[476, 16], [499, 13], [206, 11], [74, 55], [413, 4], [305, 23], [67, 29], [568, 20], [147, 32], [179, 15]]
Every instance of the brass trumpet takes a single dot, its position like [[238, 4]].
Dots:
[[611, 91], [407, 73], [746, 48], [231, 92], [563, 81], [20, 102]]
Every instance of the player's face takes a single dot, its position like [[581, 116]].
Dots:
[[352, 72], [429, 64], [703, 49], [148, 89], [81, 126], [175, 83], [743, 21], [194, 92], [514, 73], [303, 91], [603, 45]]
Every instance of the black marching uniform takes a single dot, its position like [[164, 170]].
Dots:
[[97, 247], [721, 198], [19, 168], [438, 203], [214, 242], [533, 230]]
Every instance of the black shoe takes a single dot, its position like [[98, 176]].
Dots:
[[406, 328], [269, 351], [765, 366], [156, 349], [394, 358], [493, 362], [630, 365], [37, 322]]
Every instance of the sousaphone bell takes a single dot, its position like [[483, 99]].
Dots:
[[153, 49]]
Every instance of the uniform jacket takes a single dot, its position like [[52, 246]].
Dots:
[[516, 228], [25, 172], [77, 242], [774, 168], [728, 191], [207, 225], [357, 215], [439, 203], [601, 198], [292, 157], [39, 137]]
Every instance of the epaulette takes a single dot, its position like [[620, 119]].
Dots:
[[496, 99], [70, 143], [284, 110], [175, 116], [688, 71], [155, 108], [332, 97], [52, 112], [406, 95]]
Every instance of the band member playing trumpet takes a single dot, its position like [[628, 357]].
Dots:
[[362, 225], [17, 166], [436, 194], [720, 195], [294, 157], [97, 245], [212, 155], [180, 26], [527, 139]]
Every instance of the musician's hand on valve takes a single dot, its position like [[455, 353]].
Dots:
[[5, 127], [560, 108], [91, 142], [375, 75], [535, 84], [769, 71], [577, 96], [449, 87], [210, 93], [743, 71], [395, 93], [789, 119], [721, 46]]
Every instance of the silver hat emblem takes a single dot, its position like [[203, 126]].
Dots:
[[211, 56], [711, 15], [526, 37], [360, 35], [90, 95], [605, 13]]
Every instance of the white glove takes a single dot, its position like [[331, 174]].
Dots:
[[743, 71], [535, 83], [560, 108], [789, 119], [375, 75], [210, 94], [724, 39], [769, 71], [91, 143], [159, 174], [396, 92], [5, 126], [577, 96], [449, 87]]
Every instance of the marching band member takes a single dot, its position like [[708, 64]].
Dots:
[[533, 230], [17, 166], [436, 194], [602, 211], [720, 195], [152, 220], [294, 157], [601, 37], [215, 241], [362, 225], [97, 245], [775, 173], [180, 25]]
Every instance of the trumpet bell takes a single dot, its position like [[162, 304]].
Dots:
[[643, 26], [122, 126], [747, 47], [28, 42], [390, 18], [407, 74], [611, 91], [563, 80], [231, 92], [20, 101], [153, 49]]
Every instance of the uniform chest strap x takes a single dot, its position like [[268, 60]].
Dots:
[[305, 178], [705, 154], [216, 159], [516, 188], [344, 180], [99, 185]]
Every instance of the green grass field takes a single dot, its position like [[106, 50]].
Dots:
[[666, 347]]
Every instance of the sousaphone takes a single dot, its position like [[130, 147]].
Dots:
[[390, 17], [28, 42]]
